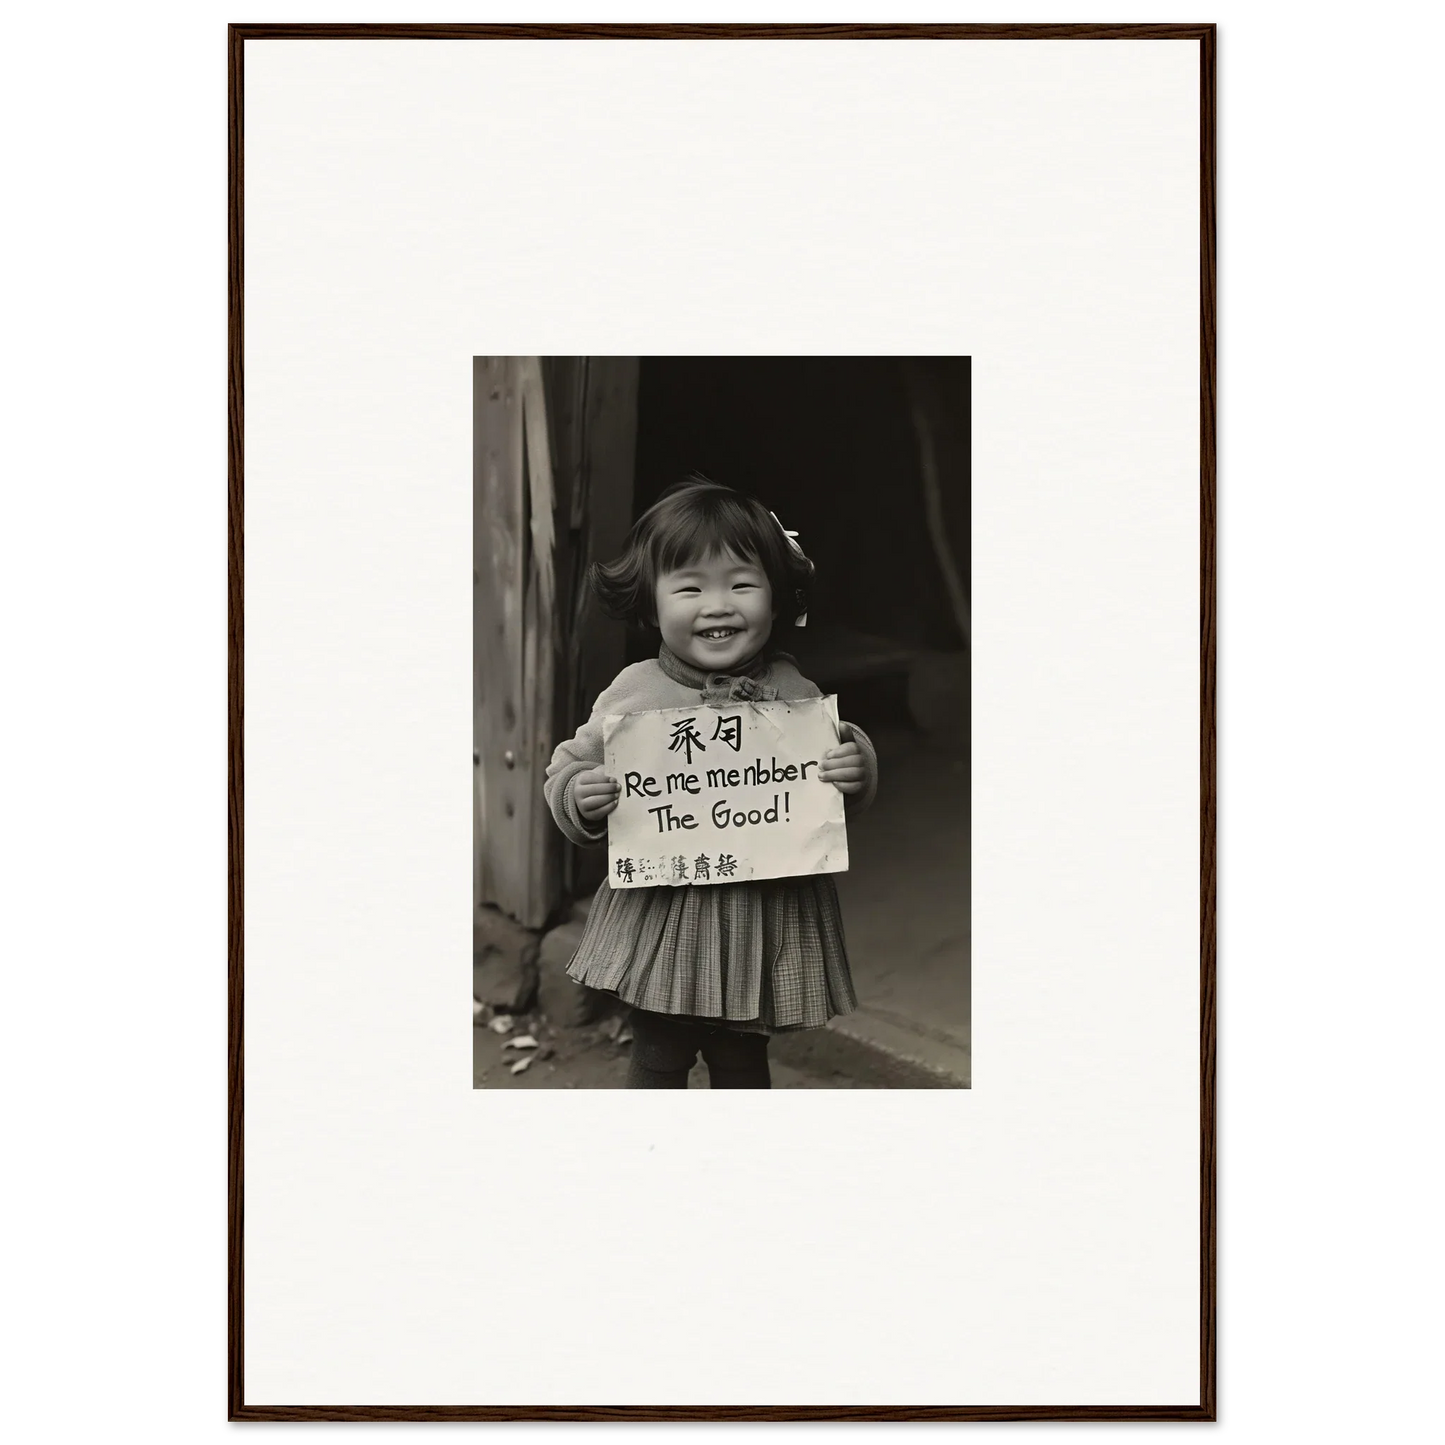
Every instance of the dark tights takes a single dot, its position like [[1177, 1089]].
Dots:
[[664, 1049]]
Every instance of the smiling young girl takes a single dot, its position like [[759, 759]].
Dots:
[[711, 968]]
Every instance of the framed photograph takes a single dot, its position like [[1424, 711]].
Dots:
[[802, 439]]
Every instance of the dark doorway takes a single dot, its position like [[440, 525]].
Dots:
[[867, 458], [832, 445]]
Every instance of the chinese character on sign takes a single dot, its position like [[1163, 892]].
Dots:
[[685, 736], [625, 869], [730, 730], [727, 865], [700, 867], [679, 869]]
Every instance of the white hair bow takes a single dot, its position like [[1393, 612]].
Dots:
[[793, 543]]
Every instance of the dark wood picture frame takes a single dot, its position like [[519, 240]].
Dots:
[[1205, 36]]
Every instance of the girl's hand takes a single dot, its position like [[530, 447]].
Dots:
[[843, 767], [596, 794]]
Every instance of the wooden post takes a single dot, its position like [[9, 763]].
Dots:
[[564, 384], [540, 653], [924, 430], [597, 412], [499, 591], [553, 461]]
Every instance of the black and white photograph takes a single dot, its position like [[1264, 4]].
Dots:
[[721, 751]]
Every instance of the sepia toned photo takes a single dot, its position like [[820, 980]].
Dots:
[[721, 691]]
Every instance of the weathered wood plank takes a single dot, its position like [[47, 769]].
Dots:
[[555, 443], [540, 653], [499, 547], [564, 383], [597, 646]]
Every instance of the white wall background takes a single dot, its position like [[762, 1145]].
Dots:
[[1045, 197]]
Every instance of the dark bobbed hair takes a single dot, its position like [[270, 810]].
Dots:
[[692, 520]]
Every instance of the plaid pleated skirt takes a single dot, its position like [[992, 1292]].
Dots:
[[764, 956]]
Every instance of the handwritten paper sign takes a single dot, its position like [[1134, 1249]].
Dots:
[[717, 795]]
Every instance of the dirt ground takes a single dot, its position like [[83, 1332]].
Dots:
[[594, 1057]]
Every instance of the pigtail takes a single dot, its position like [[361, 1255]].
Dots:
[[623, 587]]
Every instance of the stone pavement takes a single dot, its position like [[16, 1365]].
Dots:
[[906, 911]]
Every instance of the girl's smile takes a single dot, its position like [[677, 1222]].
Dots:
[[716, 612]]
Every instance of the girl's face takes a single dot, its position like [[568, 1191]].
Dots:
[[715, 612]]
